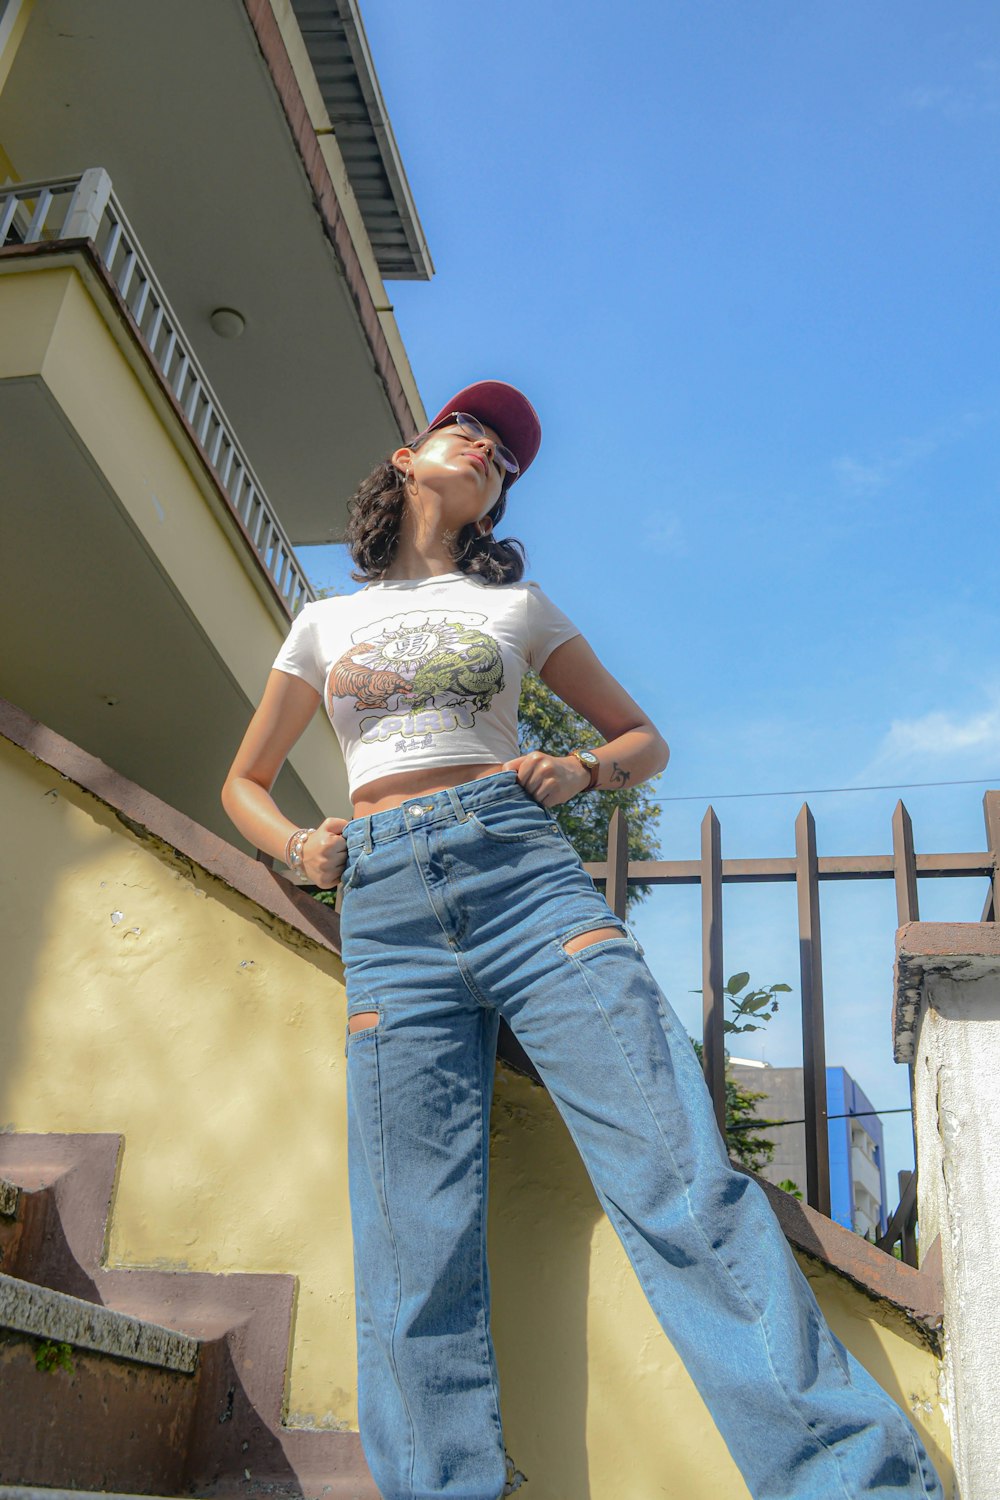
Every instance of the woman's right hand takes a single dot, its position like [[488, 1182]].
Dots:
[[324, 853]]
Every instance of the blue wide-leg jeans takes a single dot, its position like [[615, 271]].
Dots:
[[456, 909]]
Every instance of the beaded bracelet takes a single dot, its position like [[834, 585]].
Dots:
[[294, 847]]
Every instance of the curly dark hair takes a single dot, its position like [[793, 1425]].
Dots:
[[374, 515]]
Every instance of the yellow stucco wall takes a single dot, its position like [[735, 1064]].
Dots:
[[214, 1043], [55, 330]]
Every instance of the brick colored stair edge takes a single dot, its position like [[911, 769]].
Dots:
[[145, 815], [242, 1320], [337, 1489], [45, 1492], [916, 1294]]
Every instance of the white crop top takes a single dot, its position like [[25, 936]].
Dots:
[[424, 672]]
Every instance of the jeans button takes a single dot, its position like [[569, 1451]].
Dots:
[[416, 812]]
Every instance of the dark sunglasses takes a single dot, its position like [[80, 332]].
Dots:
[[475, 429]]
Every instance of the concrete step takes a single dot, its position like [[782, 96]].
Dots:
[[38, 1492], [336, 1489], [116, 1405], [207, 1423], [45, 1314]]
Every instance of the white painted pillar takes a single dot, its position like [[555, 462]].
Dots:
[[86, 209], [946, 1020]]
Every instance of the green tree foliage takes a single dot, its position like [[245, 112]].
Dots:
[[744, 1145], [545, 722]]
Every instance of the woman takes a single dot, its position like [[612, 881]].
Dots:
[[462, 902]]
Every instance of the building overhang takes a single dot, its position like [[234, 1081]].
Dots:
[[334, 35], [138, 620], [194, 111]]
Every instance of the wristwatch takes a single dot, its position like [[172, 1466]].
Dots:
[[590, 764]]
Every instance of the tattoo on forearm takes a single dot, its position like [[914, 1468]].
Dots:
[[619, 775]]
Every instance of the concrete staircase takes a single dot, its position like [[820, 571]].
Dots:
[[134, 1380], [43, 1492]]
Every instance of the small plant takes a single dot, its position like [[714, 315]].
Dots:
[[50, 1356], [791, 1188], [754, 1008], [751, 1012]]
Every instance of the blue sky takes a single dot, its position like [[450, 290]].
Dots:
[[742, 258]]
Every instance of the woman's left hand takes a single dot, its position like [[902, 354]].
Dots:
[[550, 779]]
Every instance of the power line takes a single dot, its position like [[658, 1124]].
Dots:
[[823, 791], [852, 1114]]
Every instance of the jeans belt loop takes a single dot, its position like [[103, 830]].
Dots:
[[368, 835], [456, 804]]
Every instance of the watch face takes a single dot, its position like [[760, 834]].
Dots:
[[589, 758]]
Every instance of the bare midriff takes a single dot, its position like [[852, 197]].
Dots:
[[390, 791]]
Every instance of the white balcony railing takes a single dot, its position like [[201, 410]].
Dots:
[[85, 208]]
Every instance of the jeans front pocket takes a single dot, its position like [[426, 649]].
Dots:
[[514, 820], [353, 871]]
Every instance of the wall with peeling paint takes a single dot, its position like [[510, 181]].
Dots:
[[955, 1090], [142, 996]]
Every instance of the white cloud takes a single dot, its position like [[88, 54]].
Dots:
[[664, 534], [970, 99], [863, 479], [867, 476], [928, 98], [939, 736]]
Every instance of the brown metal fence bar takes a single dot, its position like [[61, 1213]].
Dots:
[[991, 813], [617, 873], [907, 905], [713, 998], [813, 1037], [908, 1193], [830, 867], [901, 1228], [904, 866]]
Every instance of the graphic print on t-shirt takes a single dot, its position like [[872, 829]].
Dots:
[[428, 671]]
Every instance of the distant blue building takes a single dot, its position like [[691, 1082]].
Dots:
[[857, 1155]]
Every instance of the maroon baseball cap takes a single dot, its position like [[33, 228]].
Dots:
[[506, 410]]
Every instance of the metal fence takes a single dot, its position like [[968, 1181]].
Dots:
[[68, 210], [711, 872]]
